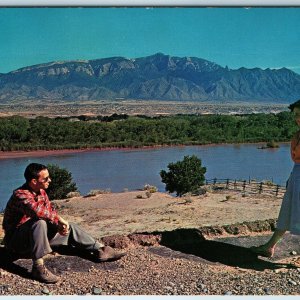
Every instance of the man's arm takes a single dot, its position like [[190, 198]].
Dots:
[[32, 208]]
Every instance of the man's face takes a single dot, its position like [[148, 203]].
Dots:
[[43, 181]]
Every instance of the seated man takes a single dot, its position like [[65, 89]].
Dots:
[[32, 226]]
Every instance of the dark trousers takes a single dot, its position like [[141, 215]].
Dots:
[[35, 237]]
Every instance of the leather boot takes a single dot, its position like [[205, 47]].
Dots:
[[42, 274], [108, 254]]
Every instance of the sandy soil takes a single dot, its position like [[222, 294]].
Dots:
[[124, 213]]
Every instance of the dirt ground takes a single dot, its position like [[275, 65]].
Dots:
[[125, 213], [166, 255]]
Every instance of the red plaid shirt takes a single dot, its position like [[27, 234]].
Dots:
[[24, 204]]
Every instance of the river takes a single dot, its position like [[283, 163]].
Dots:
[[132, 169]]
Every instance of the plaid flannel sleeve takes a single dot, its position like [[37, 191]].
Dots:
[[36, 206]]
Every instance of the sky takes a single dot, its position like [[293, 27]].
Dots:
[[233, 37]]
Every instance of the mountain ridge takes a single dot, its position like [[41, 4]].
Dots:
[[155, 77]]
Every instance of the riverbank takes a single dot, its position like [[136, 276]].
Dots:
[[41, 153]]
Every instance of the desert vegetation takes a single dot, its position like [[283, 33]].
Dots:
[[42, 133], [185, 176]]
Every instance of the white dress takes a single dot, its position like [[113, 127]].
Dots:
[[289, 215]]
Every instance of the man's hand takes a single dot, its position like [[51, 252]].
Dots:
[[63, 226]]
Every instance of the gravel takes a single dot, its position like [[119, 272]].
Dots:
[[145, 272]]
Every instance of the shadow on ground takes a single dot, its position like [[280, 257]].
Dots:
[[187, 244], [228, 251], [68, 259], [7, 263]]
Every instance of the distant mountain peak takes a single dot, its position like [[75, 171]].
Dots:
[[157, 77], [49, 64]]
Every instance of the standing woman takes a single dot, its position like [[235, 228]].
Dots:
[[289, 215]]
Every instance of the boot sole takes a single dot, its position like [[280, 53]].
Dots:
[[116, 257]]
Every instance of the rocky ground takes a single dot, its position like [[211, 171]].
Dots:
[[187, 246]]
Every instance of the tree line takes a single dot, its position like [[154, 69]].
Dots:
[[42, 133]]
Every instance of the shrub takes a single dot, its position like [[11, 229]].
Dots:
[[61, 182], [268, 183], [272, 144], [184, 176], [150, 188], [73, 194], [98, 192]]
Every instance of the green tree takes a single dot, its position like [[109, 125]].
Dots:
[[61, 182], [184, 176]]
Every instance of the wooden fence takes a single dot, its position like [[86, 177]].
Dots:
[[248, 186]]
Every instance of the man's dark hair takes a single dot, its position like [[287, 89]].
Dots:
[[294, 105], [32, 171]]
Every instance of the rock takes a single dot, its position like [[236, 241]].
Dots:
[[4, 288], [3, 273], [293, 253], [97, 291], [228, 293], [201, 286], [45, 291], [292, 282]]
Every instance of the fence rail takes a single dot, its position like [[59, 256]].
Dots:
[[248, 186]]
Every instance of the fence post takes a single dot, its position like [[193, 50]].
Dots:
[[277, 189], [227, 183], [235, 184], [244, 185], [260, 187]]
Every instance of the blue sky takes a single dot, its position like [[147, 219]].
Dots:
[[236, 37]]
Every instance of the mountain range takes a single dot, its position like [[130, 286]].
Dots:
[[155, 77]]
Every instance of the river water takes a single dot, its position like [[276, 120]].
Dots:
[[132, 169]]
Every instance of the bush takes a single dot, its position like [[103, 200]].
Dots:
[[272, 144], [150, 188], [93, 193], [61, 182], [184, 176], [73, 195]]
